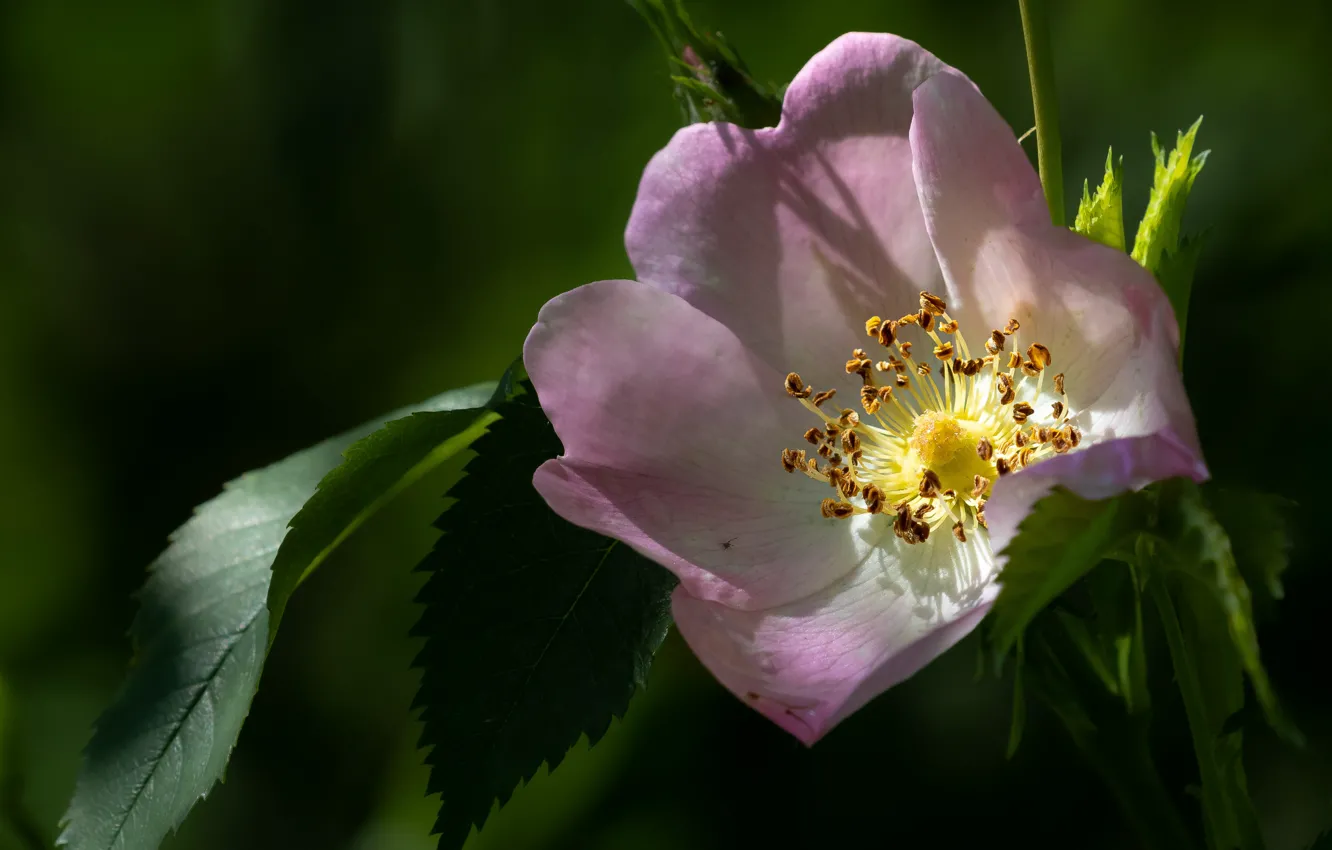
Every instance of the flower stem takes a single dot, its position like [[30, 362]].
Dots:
[[1045, 103]]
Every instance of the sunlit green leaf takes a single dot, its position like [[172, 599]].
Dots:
[[1171, 183], [1062, 538], [1101, 216], [537, 631], [201, 635]]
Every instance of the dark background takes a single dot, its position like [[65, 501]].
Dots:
[[229, 228]]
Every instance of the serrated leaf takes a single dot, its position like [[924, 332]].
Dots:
[[537, 631], [1101, 216], [375, 469], [1259, 529], [1062, 538], [1171, 183], [201, 635], [1210, 678], [1204, 552]]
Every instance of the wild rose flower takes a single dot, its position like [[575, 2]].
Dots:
[[858, 354]]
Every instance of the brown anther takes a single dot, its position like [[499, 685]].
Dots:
[[949, 327], [825, 451], [998, 338], [833, 429], [1012, 327], [944, 352], [1043, 435], [856, 456], [856, 366], [1074, 435], [973, 367], [883, 366], [1060, 443], [931, 303], [922, 369], [1057, 410], [901, 380], [929, 484], [1020, 440], [905, 348], [848, 485], [1024, 457], [796, 387], [1005, 386], [950, 494], [1030, 369], [850, 441], [921, 531], [849, 418], [923, 511], [908, 319], [1038, 354], [926, 320], [873, 497], [790, 460], [872, 325], [1021, 411], [820, 398], [814, 436], [869, 399], [859, 354], [1001, 466], [985, 449], [1059, 383], [898, 365], [990, 347], [833, 509], [980, 519], [1014, 360], [885, 393], [959, 532], [887, 333], [978, 486]]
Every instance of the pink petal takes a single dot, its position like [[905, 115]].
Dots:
[[794, 236], [809, 664], [672, 433], [1107, 322]]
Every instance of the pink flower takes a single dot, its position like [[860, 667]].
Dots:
[[827, 549]]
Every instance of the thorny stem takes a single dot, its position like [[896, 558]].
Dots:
[[1045, 102]]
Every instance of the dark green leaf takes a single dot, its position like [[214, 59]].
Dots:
[[1258, 526], [1060, 540], [1203, 551], [1117, 600], [537, 632], [1019, 719], [1210, 680], [715, 84], [201, 635], [1175, 275]]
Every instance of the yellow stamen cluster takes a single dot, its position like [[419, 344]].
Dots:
[[926, 450]]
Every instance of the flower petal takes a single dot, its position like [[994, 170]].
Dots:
[[809, 664], [672, 433], [794, 236], [1107, 322]]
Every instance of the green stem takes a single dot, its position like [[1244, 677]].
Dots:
[[1045, 102], [1222, 825]]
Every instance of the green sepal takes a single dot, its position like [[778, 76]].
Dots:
[[1171, 183], [712, 82], [1101, 216]]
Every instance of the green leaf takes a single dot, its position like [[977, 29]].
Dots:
[[537, 631], [375, 470], [1101, 216], [201, 635], [1204, 552], [1116, 596], [1259, 529], [716, 84], [1019, 719], [1175, 275], [1207, 669], [1062, 538], [1171, 183]]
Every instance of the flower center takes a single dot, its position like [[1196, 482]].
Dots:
[[927, 450]]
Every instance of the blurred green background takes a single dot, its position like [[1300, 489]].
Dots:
[[229, 228]]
